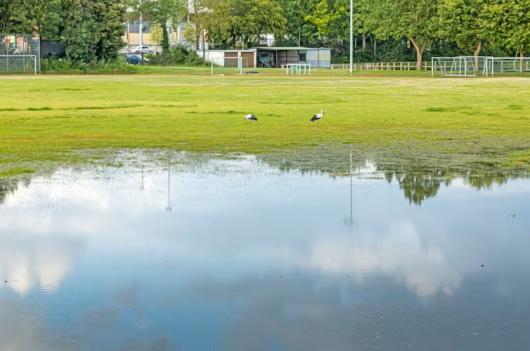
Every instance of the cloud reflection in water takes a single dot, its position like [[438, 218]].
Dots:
[[248, 248]]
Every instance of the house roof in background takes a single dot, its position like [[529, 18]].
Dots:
[[288, 48], [281, 48]]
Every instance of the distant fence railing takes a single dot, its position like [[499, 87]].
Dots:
[[383, 66], [497, 65]]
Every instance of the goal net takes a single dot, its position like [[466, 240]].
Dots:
[[462, 66], [19, 53], [484, 66], [229, 66], [18, 64]]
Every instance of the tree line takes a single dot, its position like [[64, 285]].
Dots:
[[384, 29]]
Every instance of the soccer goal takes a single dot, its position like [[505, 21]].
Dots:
[[18, 64], [484, 66], [229, 66], [463, 66], [19, 53], [298, 69]]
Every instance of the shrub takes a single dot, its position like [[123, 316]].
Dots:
[[68, 66], [176, 56]]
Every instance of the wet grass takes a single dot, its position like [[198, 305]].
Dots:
[[440, 121], [15, 171]]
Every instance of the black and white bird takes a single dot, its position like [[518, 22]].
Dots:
[[251, 117], [318, 116]]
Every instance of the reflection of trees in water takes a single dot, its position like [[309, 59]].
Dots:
[[7, 186], [331, 160], [417, 178], [419, 184], [486, 181], [417, 181], [418, 188]]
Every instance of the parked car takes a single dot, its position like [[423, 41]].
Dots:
[[143, 49], [134, 59]]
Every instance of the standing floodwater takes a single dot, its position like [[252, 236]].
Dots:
[[237, 255]]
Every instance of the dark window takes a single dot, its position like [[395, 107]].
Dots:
[[134, 27]]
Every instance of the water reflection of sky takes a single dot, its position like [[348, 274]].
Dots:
[[250, 258]]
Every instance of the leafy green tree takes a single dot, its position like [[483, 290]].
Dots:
[[512, 20], [242, 22], [93, 29], [467, 22], [109, 15], [79, 33], [6, 11], [163, 12], [331, 20], [199, 16], [38, 16], [299, 31], [414, 20]]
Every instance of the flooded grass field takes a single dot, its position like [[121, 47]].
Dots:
[[442, 121], [245, 253]]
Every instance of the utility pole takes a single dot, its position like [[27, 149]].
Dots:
[[141, 25], [299, 25], [351, 36]]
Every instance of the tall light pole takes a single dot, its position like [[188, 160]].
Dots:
[[351, 36], [141, 25]]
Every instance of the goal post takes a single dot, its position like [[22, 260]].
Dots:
[[229, 66], [298, 69], [461, 66], [19, 53], [478, 66], [19, 64]]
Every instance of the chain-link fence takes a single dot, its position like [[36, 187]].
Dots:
[[19, 53]]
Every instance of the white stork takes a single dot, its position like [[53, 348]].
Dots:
[[318, 116], [251, 117]]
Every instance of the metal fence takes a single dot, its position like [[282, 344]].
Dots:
[[511, 64], [382, 66], [475, 66], [457, 66], [19, 53]]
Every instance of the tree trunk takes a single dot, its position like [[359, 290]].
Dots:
[[419, 54], [39, 57], [203, 46], [364, 42], [476, 54], [521, 66], [38, 30], [165, 37], [197, 38]]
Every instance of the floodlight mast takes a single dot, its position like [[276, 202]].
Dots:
[[351, 36], [141, 27]]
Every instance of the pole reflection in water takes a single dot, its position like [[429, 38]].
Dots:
[[168, 207], [349, 221], [142, 184]]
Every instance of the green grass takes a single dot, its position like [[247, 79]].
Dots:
[[16, 171], [443, 121]]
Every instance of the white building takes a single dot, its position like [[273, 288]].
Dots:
[[142, 32]]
